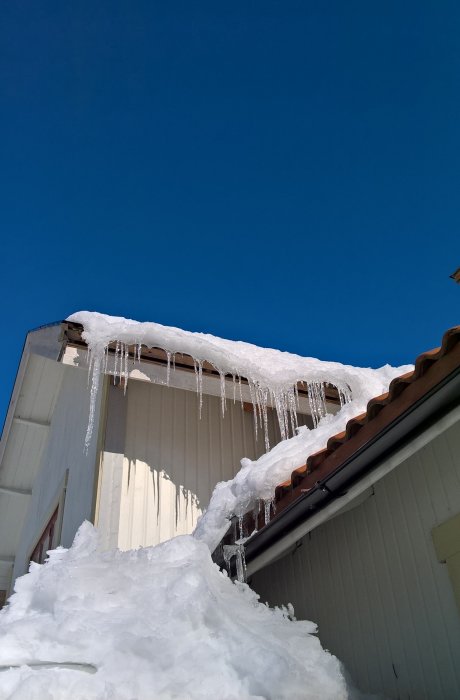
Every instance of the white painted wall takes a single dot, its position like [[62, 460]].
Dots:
[[156, 485], [371, 581], [64, 450]]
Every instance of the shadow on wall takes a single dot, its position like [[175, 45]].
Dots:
[[173, 458]]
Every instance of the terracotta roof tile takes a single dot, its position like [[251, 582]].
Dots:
[[430, 368]]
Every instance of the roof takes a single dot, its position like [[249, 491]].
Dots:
[[72, 333], [432, 370]]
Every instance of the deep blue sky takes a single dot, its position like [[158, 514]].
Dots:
[[287, 173]]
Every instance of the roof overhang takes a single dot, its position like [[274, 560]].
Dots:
[[153, 366], [413, 404]]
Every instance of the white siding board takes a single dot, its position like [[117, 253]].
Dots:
[[64, 450], [22, 455], [371, 580], [173, 459], [39, 390]]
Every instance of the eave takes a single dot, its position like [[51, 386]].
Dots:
[[413, 403]]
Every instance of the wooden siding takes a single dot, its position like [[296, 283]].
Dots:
[[371, 580], [172, 461]]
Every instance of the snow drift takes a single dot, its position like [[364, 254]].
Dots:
[[164, 622], [160, 622]]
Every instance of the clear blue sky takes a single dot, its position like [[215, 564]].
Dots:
[[287, 173]]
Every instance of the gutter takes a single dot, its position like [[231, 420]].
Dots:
[[429, 417]]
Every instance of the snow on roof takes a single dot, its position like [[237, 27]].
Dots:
[[271, 374], [267, 367]]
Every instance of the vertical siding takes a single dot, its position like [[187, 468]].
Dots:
[[371, 581], [111, 469], [173, 459]]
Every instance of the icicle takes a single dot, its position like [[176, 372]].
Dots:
[[317, 401], [117, 349], [95, 378], [89, 358], [267, 509], [281, 413], [168, 367], [200, 385], [255, 514], [227, 551], [241, 393], [257, 407], [222, 392], [198, 367], [106, 358], [241, 564], [234, 388], [253, 400], [262, 395], [195, 369], [344, 395], [126, 369], [240, 527], [236, 550], [292, 398]]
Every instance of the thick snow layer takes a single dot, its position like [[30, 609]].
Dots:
[[272, 375], [267, 367], [161, 622]]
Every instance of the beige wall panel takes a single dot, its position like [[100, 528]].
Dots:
[[173, 459], [371, 581]]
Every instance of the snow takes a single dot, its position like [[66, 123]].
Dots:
[[161, 622], [164, 622], [272, 375]]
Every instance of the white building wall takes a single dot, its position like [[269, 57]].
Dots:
[[171, 460], [371, 581], [63, 457]]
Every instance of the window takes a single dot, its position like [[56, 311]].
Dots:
[[47, 539]]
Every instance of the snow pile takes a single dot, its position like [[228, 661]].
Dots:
[[161, 622], [272, 376]]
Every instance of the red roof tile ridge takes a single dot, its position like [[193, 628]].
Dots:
[[450, 338], [344, 444]]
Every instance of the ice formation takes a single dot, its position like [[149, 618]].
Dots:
[[161, 622], [164, 622], [272, 376]]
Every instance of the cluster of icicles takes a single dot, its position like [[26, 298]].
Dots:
[[240, 538], [285, 400]]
